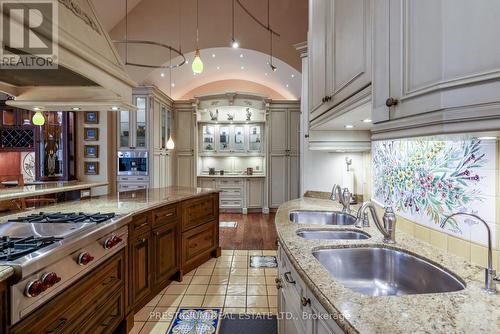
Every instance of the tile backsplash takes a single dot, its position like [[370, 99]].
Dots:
[[426, 179]]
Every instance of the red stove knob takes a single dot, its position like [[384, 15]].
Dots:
[[49, 279], [84, 258], [34, 288], [112, 242]]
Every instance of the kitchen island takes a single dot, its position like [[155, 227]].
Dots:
[[47, 188], [330, 307], [113, 266]]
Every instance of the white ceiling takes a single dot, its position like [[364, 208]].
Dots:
[[226, 64]]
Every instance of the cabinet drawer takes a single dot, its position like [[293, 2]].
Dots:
[[198, 241], [231, 193], [132, 186], [229, 183], [235, 203], [165, 215], [198, 211], [108, 317], [141, 223], [84, 300]]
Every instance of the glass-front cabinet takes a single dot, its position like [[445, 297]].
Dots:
[[124, 128], [133, 125], [140, 122], [235, 138]]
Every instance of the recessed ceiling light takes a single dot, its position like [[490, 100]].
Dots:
[[218, 67], [349, 126], [162, 75], [114, 108], [242, 67], [241, 55], [37, 108], [293, 75], [487, 138], [213, 55], [287, 85], [187, 61], [172, 84], [75, 108], [235, 45], [367, 120], [265, 74]]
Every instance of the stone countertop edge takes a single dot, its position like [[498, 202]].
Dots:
[[109, 203], [467, 311], [233, 176], [46, 189]]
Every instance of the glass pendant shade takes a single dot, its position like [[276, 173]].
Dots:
[[38, 118], [170, 143], [197, 63]]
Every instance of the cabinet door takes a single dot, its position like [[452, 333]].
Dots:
[[291, 323], [255, 193], [294, 177], [185, 170], [255, 140], [443, 56], [124, 140], [317, 39], [207, 138], [224, 139], [165, 253], [184, 142], [349, 59], [206, 183], [140, 122], [294, 131], [278, 180], [278, 131], [140, 269], [3, 307], [239, 144]]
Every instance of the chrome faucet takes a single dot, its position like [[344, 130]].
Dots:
[[335, 189], [388, 229], [344, 197], [490, 278]]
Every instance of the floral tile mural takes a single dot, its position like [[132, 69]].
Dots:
[[426, 179]]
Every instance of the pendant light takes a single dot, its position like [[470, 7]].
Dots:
[[170, 141], [273, 68], [197, 65], [234, 43], [38, 118]]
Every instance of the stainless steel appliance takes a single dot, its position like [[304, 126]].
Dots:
[[51, 251], [133, 163]]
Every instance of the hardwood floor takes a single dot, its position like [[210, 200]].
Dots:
[[254, 231]]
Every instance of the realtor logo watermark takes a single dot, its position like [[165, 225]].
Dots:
[[29, 32]]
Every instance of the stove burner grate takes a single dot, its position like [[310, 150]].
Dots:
[[67, 217], [12, 248]]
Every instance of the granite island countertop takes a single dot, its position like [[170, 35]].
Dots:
[[467, 311], [46, 189], [122, 203]]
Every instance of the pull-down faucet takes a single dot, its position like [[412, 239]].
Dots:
[[490, 278], [388, 229], [344, 197]]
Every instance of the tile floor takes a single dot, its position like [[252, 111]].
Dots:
[[226, 282]]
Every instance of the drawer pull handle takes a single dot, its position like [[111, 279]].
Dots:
[[288, 277], [305, 301], [278, 283], [141, 241], [390, 102]]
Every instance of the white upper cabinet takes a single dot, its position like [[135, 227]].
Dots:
[[224, 139], [339, 48], [437, 65]]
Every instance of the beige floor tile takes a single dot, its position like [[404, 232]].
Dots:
[[144, 314], [226, 252], [257, 310], [153, 302], [240, 258], [222, 265], [219, 280], [239, 271], [224, 259], [204, 271], [176, 289], [164, 313], [217, 289], [137, 327], [170, 300], [197, 289], [271, 290], [257, 301], [270, 280], [240, 252], [234, 310], [269, 252], [272, 301], [191, 273], [254, 252], [237, 280], [236, 289], [213, 301], [239, 264], [256, 272], [221, 271], [235, 301], [192, 301], [155, 328], [256, 290], [271, 271], [210, 265], [257, 280], [185, 281], [200, 280]]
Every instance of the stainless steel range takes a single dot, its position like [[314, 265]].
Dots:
[[50, 251]]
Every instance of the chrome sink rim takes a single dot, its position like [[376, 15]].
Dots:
[[344, 216], [300, 231]]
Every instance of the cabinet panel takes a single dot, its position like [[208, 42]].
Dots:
[[294, 134], [165, 253], [198, 211], [185, 170], [185, 132], [317, 53], [3, 307], [278, 131], [140, 269], [206, 183], [255, 193], [278, 180], [198, 241], [294, 173]]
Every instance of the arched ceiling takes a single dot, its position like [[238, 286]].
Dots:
[[158, 20]]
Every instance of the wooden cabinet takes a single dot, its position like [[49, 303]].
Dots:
[[165, 255], [4, 307], [339, 56], [198, 211], [284, 156], [255, 193], [94, 304], [435, 66], [140, 267]]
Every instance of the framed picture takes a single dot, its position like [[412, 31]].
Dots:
[[91, 117], [91, 151], [91, 168], [90, 134]]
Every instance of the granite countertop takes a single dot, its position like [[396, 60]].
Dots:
[[45, 189], [467, 311], [123, 203], [241, 176]]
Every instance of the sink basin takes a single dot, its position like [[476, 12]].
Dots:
[[333, 235], [322, 218], [379, 271]]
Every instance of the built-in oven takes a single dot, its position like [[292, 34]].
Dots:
[[133, 163]]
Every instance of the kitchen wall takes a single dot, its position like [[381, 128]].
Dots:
[[426, 179]]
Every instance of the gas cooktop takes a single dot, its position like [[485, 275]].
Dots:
[[12, 248], [67, 217]]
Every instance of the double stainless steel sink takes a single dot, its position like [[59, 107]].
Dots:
[[333, 235], [322, 218], [378, 271]]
